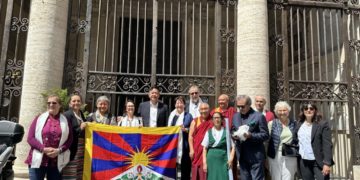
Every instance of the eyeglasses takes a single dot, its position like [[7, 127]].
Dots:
[[53, 102], [216, 118], [308, 108], [193, 93], [241, 107]]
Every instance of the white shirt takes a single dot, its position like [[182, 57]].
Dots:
[[194, 108], [305, 148], [216, 134], [153, 114], [126, 122]]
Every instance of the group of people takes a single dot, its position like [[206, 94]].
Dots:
[[210, 147]]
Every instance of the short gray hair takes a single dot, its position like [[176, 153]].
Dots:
[[246, 97], [281, 104], [103, 98]]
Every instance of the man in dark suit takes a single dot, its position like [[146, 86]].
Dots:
[[153, 112], [251, 151]]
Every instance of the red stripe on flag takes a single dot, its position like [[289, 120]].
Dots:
[[104, 154], [117, 140]]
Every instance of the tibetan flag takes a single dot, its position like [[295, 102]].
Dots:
[[113, 152]]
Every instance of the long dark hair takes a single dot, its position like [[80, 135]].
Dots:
[[317, 116]]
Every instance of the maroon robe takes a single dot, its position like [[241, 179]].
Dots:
[[199, 132]]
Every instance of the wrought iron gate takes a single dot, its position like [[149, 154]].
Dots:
[[121, 48], [13, 34], [314, 55]]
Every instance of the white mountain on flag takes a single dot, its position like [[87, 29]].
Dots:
[[140, 172]]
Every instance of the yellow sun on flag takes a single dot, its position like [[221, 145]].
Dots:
[[139, 158]]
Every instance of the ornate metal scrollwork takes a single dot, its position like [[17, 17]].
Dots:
[[354, 45], [207, 85], [227, 35], [74, 76], [118, 83], [355, 89], [355, 2], [19, 24], [141, 84], [13, 78], [170, 85], [277, 39], [228, 2], [280, 79], [182, 84], [134, 83], [318, 91], [228, 79], [101, 82], [79, 27]]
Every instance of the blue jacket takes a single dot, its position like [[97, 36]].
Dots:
[[251, 150], [276, 130]]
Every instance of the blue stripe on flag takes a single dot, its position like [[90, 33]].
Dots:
[[169, 172], [134, 140], [102, 165], [163, 141], [166, 155], [105, 144]]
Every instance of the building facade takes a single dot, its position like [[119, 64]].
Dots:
[[292, 50]]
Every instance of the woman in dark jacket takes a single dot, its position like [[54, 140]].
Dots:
[[74, 169], [313, 135]]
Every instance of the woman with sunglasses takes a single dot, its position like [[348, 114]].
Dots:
[[315, 147], [74, 169], [50, 137]]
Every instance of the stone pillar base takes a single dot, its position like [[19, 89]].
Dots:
[[356, 172], [21, 171]]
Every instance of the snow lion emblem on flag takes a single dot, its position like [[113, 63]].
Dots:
[[113, 152]]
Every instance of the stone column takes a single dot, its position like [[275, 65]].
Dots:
[[44, 62], [253, 49]]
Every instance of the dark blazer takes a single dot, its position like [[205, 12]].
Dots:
[[76, 131], [162, 114], [187, 121], [320, 142], [252, 150]]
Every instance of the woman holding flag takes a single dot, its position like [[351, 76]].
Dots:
[[178, 117], [218, 151]]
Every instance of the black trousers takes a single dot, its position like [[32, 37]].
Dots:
[[252, 170], [310, 170], [185, 166]]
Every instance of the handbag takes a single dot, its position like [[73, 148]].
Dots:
[[290, 150]]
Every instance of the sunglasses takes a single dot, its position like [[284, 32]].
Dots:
[[49, 103], [193, 93], [309, 108]]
